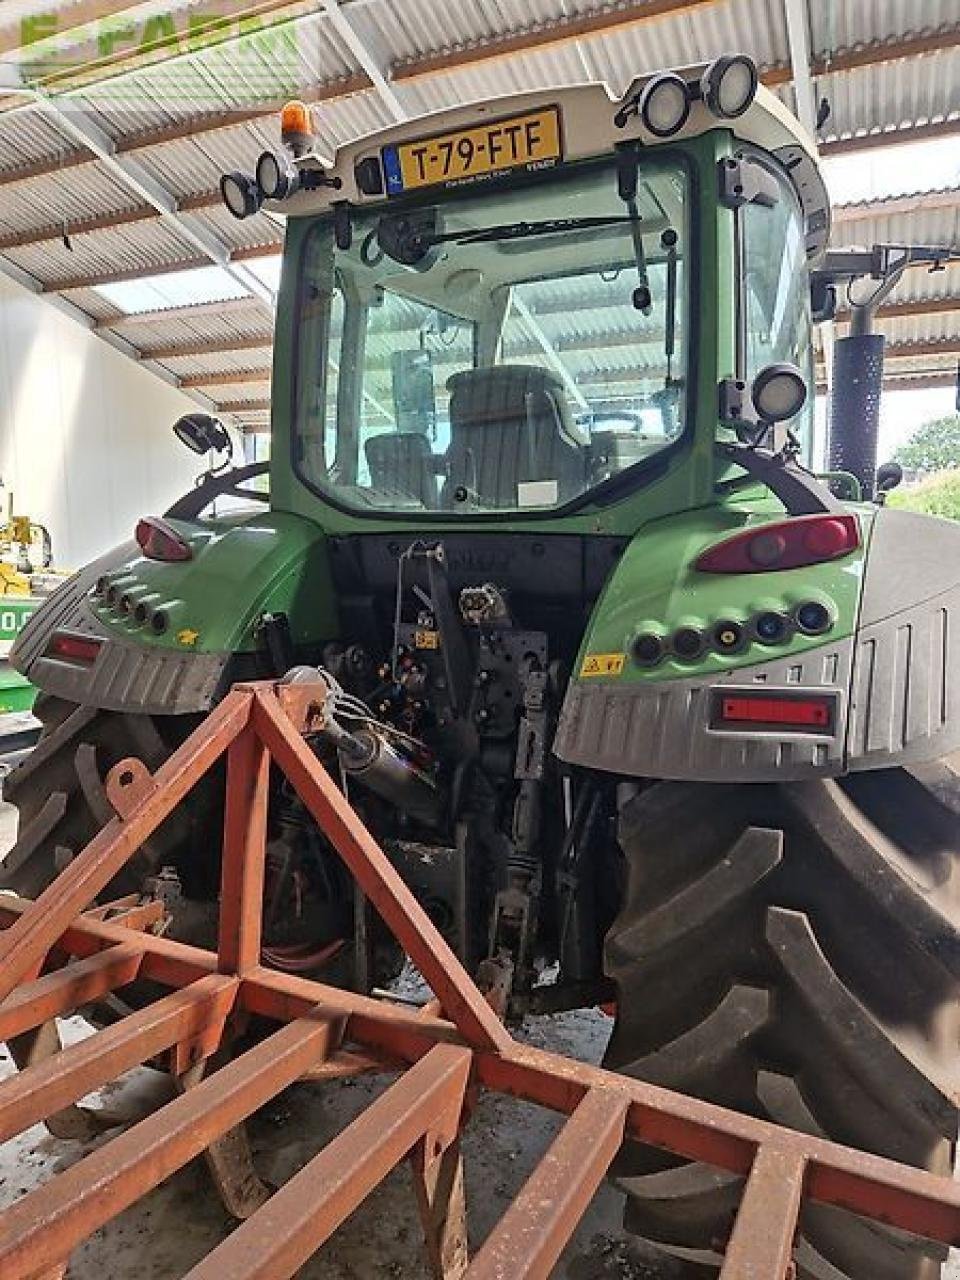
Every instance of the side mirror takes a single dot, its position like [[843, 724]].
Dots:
[[201, 432], [823, 298], [414, 391], [889, 475]]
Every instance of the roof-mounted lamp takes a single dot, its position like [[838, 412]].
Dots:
[[297, 129], [241, 194], [277, 178], [664, 104], [729, 85]]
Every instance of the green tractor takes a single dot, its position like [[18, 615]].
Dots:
[[642, 709]]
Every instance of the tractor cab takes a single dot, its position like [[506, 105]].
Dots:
[[487, 335], [514, 310]]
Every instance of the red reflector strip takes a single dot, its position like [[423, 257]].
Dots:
[[808, 713], [71, 648]]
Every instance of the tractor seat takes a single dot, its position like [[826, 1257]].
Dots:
[[511, 427], [402, 464]]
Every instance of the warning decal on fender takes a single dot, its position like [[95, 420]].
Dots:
[[603, 664]]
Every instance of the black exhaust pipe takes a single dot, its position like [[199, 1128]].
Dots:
[[854, 422]]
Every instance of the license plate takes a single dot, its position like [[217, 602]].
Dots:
[[526, 141]]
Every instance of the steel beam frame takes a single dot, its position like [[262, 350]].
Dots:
[[576, 29], [443, 1056]]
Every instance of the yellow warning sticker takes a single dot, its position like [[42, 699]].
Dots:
[[603, 664], [426, 639]]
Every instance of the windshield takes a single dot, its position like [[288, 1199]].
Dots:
[[501, 350]]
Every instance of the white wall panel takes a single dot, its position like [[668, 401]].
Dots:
[[85, 439]]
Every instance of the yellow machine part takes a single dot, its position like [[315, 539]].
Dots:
[[13, 583]]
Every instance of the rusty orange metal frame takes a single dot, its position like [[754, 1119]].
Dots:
[[326, 1033]]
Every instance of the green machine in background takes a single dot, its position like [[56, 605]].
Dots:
[[26, 579], [640, 708], [17, 694]]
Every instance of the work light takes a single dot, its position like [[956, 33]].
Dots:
[[240, 194], [779, 392], [276, 178], [664, 104], [729, 85]]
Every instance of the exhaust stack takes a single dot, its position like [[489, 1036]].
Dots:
[[854, 423]]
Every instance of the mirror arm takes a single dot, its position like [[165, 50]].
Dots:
[[801, 493], [213, 486]]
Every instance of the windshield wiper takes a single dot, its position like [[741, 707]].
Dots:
[[410, 238], [522, 230]]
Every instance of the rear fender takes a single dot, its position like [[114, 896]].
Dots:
[[212, 604], [660, 721], [890, 663]]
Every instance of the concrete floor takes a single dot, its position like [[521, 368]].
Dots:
[[165, 1234], [162, 1236]]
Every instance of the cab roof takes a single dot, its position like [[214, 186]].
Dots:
[[589, 129]]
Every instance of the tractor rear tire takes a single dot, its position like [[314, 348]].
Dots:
[[793, 952], [59, 793]]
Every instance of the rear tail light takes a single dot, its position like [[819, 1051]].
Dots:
[[813, 617], [81, 650], [648, 649], [160, 541], [789, 544], [746, 710]]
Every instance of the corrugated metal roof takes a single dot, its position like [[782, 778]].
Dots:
[[149, 245], [218, 326], [920, 285], [893, 94], [280, 58], [227, 363], [261, 230], [923, 226], [226, 391], [72, 195], [407, 30], [193, 166], [96, 306], [14, 11], [302, 55], [933, 328], [839, 25], [26, 136]]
